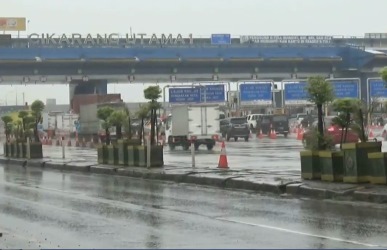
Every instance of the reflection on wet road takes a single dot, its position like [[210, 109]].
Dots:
[[44, 209]]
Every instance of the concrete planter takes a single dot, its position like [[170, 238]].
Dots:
[[102, 153], [356, 167], [331, 166], [134, 142], [378, 164], [122, 152], [133, 155], [10, 150], [6, 149], [157, 156], [35, 150], [112, 155], [22, 150], [15, 151], [310, 165]]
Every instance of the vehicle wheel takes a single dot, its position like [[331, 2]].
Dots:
[[186, 146], [171, 147], [210, 146], [235, 138], [246, 138], [286, 135], [228, 137]]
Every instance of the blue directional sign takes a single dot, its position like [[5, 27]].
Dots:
[[256, 93], [295, 92], [197, 94], [212, 93], [184, 95], [219, 39], [377, 89], [345, 88]]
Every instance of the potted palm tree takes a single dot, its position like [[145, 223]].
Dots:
[[356, 167], [118, 154], [7, 120], [319, 92], [103, 114], [35, 148], [23, 133], [332, 163], [152, 93]]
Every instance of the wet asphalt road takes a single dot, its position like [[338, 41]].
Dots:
[[51, 209]]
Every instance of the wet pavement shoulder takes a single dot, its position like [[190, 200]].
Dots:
[[284, 184]]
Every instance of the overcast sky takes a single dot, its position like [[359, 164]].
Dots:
[[199, 17]]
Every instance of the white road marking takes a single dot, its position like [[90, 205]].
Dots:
[[301, 233]]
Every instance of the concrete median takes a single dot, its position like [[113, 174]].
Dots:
[[242, 180]]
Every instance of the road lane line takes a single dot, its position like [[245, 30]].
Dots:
[[301, 233]]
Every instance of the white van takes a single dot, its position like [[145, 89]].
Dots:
[[252, 120]]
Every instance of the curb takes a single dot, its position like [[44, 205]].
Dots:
[[229, 182]]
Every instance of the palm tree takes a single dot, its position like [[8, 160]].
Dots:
[[153, 93], [117, 119], [142, 113], [7, 120], [104, 114], [37, 108]]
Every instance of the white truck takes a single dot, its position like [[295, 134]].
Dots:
[[197, 123]]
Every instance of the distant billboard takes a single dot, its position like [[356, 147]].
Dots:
[[12, 23], [286, 39], [346, 88], [220, 39]]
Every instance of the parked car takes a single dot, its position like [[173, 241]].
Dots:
[[332, 130], [235, 127]]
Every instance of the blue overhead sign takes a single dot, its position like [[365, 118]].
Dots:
[[256, 93], [184, 95], [212, 93], [295, 93], [197, 94], [377, 89], [345, 88], [219, 39]]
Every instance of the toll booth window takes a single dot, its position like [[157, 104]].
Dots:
[[280, 118], [239, 120]]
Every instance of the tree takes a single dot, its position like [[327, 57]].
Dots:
[[22, 115], [117, 119], [37, 108], [320, 91], [383, 74], [103, 114], [153, 93], [129, 123], [345, 107], [142, 113], [7, 120]]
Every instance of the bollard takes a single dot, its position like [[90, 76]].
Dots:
[[148, 152], [63, 148], [193, 153]]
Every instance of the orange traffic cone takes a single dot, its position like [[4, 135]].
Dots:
[[260, 135], [273, 134], [371, 134], [299, 134], [223, 157]]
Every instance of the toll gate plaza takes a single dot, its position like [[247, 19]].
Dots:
[[252, 64]]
